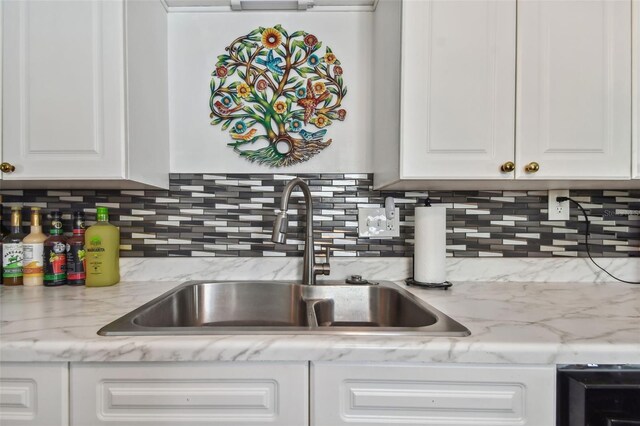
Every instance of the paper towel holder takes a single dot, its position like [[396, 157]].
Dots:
[[411, 282]]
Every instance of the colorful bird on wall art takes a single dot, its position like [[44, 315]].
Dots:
[[226, 111], [310, 101], [276, 92], [244, 137], [271, 63], [308, 136]]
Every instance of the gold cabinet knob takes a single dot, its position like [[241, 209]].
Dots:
[[7, 168], [508, 167], [532, 167]]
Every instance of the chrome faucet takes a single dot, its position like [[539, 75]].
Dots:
[[310, 268]]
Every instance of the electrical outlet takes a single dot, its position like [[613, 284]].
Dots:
[[373, 223], [557, 210]]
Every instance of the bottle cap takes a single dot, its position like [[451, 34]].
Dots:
[[102, 213], [78, 222], [56, 223], [35, 216]]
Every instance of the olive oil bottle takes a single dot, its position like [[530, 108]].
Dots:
[[102, 245]]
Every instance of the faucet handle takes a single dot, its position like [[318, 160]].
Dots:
[[327, 254], [324, 268]]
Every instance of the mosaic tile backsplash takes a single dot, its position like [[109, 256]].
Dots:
[[232, 215]]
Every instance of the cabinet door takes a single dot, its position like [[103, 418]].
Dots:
[[574, 86], [635, 105], [394, 394], [157, 393], [34, 394], [1, 68], [63, 89], [458, 88]]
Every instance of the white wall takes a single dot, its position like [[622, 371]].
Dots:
[[195, 41]]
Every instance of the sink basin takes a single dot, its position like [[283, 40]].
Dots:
[[226, 304], [267, 307]]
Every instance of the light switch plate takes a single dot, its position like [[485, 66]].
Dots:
[[373, 223]]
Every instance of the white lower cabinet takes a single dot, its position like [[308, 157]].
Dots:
[[435, 394], [139, 393], [275, 393], [34, 394]]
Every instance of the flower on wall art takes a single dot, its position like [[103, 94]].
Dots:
[[276, 93]]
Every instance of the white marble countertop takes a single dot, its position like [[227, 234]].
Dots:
[[529, 323]]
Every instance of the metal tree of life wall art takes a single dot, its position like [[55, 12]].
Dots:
[[276, 93]]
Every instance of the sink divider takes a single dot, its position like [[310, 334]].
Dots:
[[322, 308]]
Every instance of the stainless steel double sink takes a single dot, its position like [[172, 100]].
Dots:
[[268, 307]]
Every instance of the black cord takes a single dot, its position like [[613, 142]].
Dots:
[[586, 239]]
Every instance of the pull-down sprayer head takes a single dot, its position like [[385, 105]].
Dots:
[[279, 234]]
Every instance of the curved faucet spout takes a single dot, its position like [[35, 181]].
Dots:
[[310, 269]]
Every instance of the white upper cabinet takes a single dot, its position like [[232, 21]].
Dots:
[[445, 89], [461, 103], [62, 99], [458, 88], [635, 105], [574, 89], [85, 91]]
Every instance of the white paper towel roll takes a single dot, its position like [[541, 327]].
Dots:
[[429, 261]]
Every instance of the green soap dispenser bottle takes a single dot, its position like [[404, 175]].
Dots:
[[102, 245]]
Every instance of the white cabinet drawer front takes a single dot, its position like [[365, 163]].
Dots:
[[215, 396], [17, 398], [189, 393], [34, 394], [432, 395], [503, 400]]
